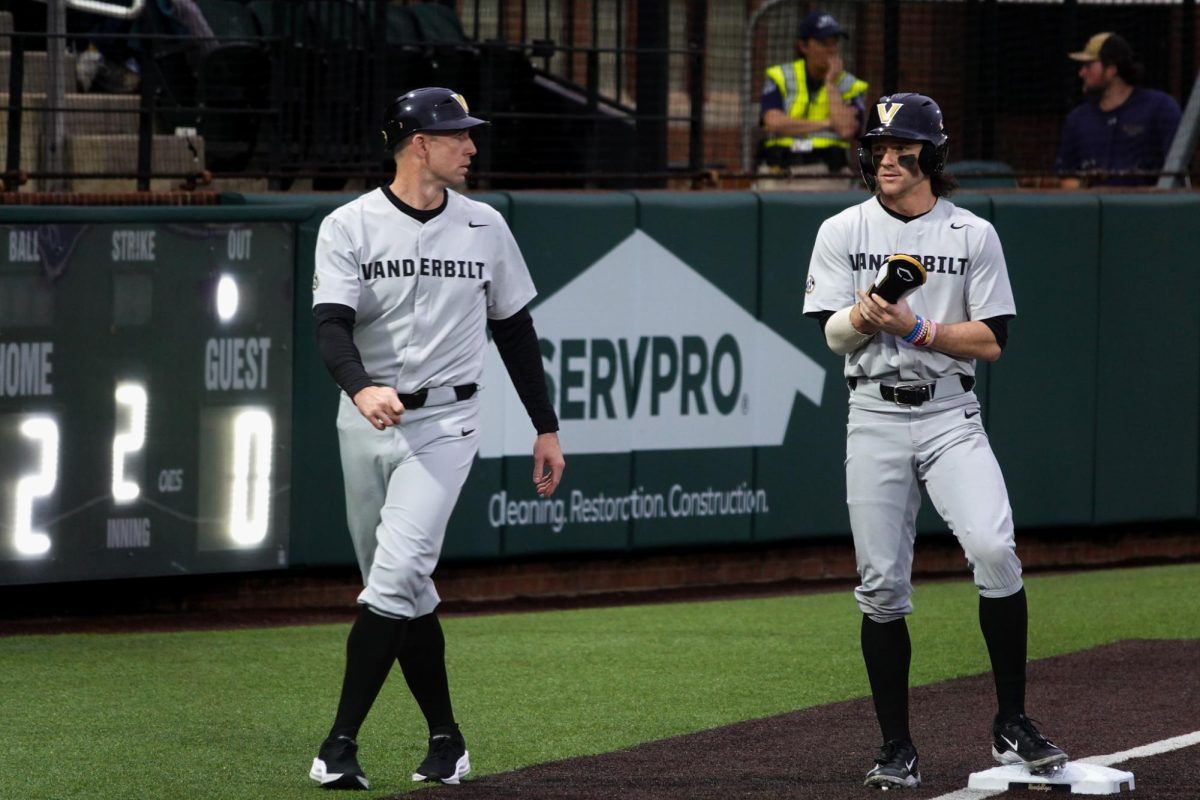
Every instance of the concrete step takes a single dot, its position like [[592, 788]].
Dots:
[[86, 114], [36, 64], [118, 153]]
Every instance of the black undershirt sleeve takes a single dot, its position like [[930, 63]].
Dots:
[[517, 342], [335, 342], [821, 317], [999, 328]]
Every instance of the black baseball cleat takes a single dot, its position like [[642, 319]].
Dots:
[[1017, 741], [447, 760], [336, 765], [895, 767]]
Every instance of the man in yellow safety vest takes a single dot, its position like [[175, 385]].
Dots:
[[812, 113]]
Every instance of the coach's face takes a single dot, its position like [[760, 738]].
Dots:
[[896, 166], [448, 155]]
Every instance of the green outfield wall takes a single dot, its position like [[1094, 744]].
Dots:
[[1086, 424], [698, 405]]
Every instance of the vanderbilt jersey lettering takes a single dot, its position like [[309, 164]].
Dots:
[[967, 280], [422, 293]]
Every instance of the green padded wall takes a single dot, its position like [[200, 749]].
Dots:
[[1148, 358], [1084, 419], [561, 235], [318, 496], [716, 235], [1042, 409], [805, 478]]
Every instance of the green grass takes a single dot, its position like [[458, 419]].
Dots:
[[239, 714]]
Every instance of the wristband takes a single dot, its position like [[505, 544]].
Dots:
[[916, 331], [933, 329], [923, 332]]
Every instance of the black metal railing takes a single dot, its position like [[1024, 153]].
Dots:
[[602, 94], [299, 97]]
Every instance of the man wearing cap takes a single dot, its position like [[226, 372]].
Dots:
[[1120, 135], [408, 279], [812, 110]]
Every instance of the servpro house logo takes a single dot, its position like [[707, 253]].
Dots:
[[643, 353]]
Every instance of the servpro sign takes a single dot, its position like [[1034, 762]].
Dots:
[[643, 353]]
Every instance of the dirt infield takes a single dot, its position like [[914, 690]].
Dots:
[[1097, 702]]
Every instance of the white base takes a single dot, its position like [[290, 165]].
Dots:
[[1075, 776]]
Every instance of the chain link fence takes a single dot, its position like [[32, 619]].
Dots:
[[278, 94]]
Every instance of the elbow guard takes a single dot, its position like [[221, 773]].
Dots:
[[841, 336]]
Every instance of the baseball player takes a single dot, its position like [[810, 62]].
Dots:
[[406, 278], [914, 419]]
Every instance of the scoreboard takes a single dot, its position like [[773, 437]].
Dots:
[[145, 399]]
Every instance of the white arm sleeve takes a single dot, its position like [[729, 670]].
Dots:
[[841, 336]]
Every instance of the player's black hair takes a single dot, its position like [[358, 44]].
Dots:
[[943, 184]]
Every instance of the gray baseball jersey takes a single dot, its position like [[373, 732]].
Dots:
[[966, 279], [894, 450], [422, 293]]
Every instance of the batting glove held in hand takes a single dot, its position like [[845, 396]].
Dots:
[[900, 275]]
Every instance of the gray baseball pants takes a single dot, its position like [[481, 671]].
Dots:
[[401, 486], [891, 451]]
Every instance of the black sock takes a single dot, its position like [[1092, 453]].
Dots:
[[887, 652], [370, 648], [1005, 622], [422, 656]]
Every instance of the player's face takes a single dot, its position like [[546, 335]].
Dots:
[[896, 172], [450, 156]]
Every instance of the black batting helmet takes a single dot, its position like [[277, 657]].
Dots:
[[429, 109], [910, 116]]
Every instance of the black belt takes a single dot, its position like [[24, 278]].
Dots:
[[416, 400], [913, 394], [908, 395]]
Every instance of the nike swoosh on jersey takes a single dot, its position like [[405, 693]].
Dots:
[[477, 224], [968, 415], [467, 431], [960, 225]]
